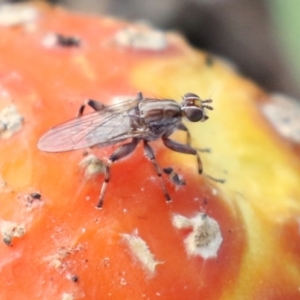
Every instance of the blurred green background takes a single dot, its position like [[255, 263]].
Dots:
[[285, 17]]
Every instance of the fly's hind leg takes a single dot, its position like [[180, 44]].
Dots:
[[96, 105], [139, 96], [119, 153], [150, 154]]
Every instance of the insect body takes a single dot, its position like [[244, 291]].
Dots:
[[139, 119]]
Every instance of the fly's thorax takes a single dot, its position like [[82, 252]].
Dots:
[[161, 117], [159, 111]]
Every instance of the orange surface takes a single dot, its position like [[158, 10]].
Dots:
[[65, 235]]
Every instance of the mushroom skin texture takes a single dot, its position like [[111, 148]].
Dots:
[[239, 239]]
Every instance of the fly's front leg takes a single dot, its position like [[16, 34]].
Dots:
[[96, 105], [183, 148], [150, 154], [119, 153], [188, 138], [188, 135]]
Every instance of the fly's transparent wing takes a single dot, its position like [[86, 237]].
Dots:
[[105, 127]]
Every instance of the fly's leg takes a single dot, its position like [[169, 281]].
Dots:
[[150, 154], [139, 96], [119, 153], [188, 135], [188, 138], [183, 148], [96, 105], [215, 179], [187, 149]]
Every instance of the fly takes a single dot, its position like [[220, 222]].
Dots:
[[139, 119]]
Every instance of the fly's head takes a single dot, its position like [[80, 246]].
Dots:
[[193, 108]]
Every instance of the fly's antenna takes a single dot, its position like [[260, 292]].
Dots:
[[207, 101]]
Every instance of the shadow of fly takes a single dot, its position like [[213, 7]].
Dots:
[[139, 119]]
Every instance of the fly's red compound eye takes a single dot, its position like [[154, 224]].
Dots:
[[193, 107]]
